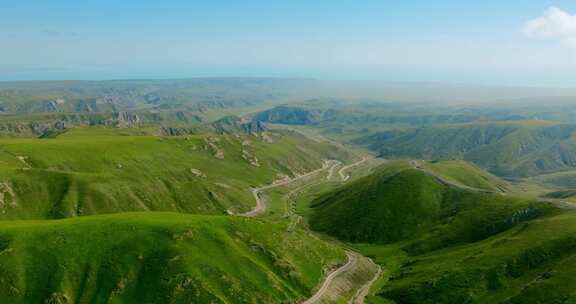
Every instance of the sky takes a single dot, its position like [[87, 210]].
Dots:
[[513, 42]]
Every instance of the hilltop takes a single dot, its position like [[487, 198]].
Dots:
[[403, 201]]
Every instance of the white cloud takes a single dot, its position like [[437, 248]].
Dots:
[[555, 23]]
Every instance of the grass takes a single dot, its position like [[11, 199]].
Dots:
[[103, 170], [465, 173], [557, 180], [379, 209], [382, 213], [153, 257], [511, 148], [530, 263], [442, 244], [158, 258]]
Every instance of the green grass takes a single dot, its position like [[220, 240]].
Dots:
[[442, 244], [557, 180], [465, 173], [158, 258], [368, 211], [511, 148], [533, 262], [398, 203], [104, 170]]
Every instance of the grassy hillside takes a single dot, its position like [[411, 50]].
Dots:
[[347, 119], [557, 180], [402, 201], [444, 243], [533, 262], [497, 139], [507, 148], [467, 174], [102, 170], [158, 258]]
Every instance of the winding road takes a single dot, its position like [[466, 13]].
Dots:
[[256, 192], [361, 294], [332, 169], [342, 171], [350, 282], [332, 285], [330, 278]]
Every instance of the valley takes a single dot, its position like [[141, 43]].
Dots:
[[272, 194], [287, 152]]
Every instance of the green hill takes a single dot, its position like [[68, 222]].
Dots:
[[158, 258], [442, 241], [506, 148], [466, 174], [403, 201], [531, 263], [97, 170]]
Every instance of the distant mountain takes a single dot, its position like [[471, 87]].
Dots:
[[33, 108], [507, 148], [199, 94], [325, 113], [225, 125]]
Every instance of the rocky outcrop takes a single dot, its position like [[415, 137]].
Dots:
[[226, 125], [7, 196], [253, 160], [235, 124], [212, 145], [197, 173], [59, 122], [125, 119]]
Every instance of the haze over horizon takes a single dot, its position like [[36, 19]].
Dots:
[[525, 43]]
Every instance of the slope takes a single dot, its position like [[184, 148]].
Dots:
[[403, 201], [442, 242], [521, 148], [104, 170], [158, 258], [533, 262]]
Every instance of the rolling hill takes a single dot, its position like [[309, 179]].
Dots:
[[516, 149], [443, 241], [508, 140], [404, 201], [77, 159], [158, 258], [533, 262], [95, 170]]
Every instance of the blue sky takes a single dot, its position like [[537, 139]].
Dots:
[[455, 41]]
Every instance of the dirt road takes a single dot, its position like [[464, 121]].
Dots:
[[349, 283], [332, 169], [353, 280], [342, 171], [361, 294], [330, 278], [257, 192]]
